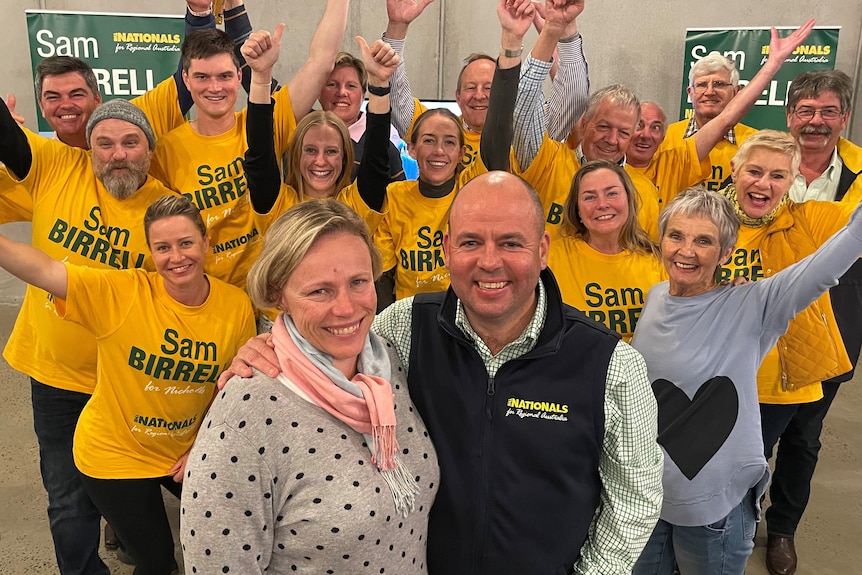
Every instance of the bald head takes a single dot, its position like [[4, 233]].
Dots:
[[494, 192], [495, 249]]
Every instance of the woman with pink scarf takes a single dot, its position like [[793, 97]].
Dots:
[[326, 468]]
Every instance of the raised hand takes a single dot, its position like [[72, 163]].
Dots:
[[380, 60], [516, 16], [538, 15], [405, 11], [781, 48], [562, 12], [261, 49], [11, 101]]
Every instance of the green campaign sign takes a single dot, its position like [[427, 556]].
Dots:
[[749, 48], [129, 53]]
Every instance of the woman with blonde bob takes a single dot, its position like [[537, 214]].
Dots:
[[603, 260], [343, 93], [794, 392], [319, 474]]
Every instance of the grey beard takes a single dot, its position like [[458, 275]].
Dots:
[[123, 186]]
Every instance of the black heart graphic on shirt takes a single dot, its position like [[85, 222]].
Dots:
[[692, 431]]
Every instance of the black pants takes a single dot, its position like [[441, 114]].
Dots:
[[136, 511], [796, 428]]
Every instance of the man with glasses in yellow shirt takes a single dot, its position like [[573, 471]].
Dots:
[[712, 83]]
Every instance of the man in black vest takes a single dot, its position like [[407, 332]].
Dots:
[[543, 420]]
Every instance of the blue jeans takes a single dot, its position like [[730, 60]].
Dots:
[[74, 519], [721, 548]]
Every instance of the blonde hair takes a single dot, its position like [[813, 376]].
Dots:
[[289, 239], [293, 175], [774, 141]]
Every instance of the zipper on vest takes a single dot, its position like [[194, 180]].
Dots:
[[481, 491]]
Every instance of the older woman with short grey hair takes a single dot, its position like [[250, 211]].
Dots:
[[703, 342]]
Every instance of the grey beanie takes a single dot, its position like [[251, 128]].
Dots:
[[120, 109]]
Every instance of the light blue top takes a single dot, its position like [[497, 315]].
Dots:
[[702, 354]]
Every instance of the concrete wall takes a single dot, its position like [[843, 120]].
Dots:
[[638, 44]]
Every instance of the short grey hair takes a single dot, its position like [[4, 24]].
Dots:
[[712, 63], [618, 95], [698, 201]]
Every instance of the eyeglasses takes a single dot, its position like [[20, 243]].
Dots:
[[701, 87], [807, 113]]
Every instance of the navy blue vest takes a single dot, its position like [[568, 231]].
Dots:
[[518, 454]]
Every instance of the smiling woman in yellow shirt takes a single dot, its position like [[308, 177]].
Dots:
[[603, 260], [163, 337]]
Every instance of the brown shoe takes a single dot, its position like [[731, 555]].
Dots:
[[110, 538], [780, 555]]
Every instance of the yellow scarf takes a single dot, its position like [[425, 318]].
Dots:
[[218, 10], [730, 193]]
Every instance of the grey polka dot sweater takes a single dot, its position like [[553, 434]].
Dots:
[[275, 484]]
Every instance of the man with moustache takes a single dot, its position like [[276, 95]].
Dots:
[[818, 109], [674, 168], [99, 224]]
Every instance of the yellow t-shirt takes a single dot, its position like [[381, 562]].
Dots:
[[410, 237], [158, 365], [720, 156], [609, 288], [551, 174], [161, 107], [16, 205], [471, 138], [289, 197], [746, 262], [674, 169], [209, 171], [89, 227]]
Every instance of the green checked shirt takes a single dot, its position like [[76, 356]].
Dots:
[[630, 464]]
